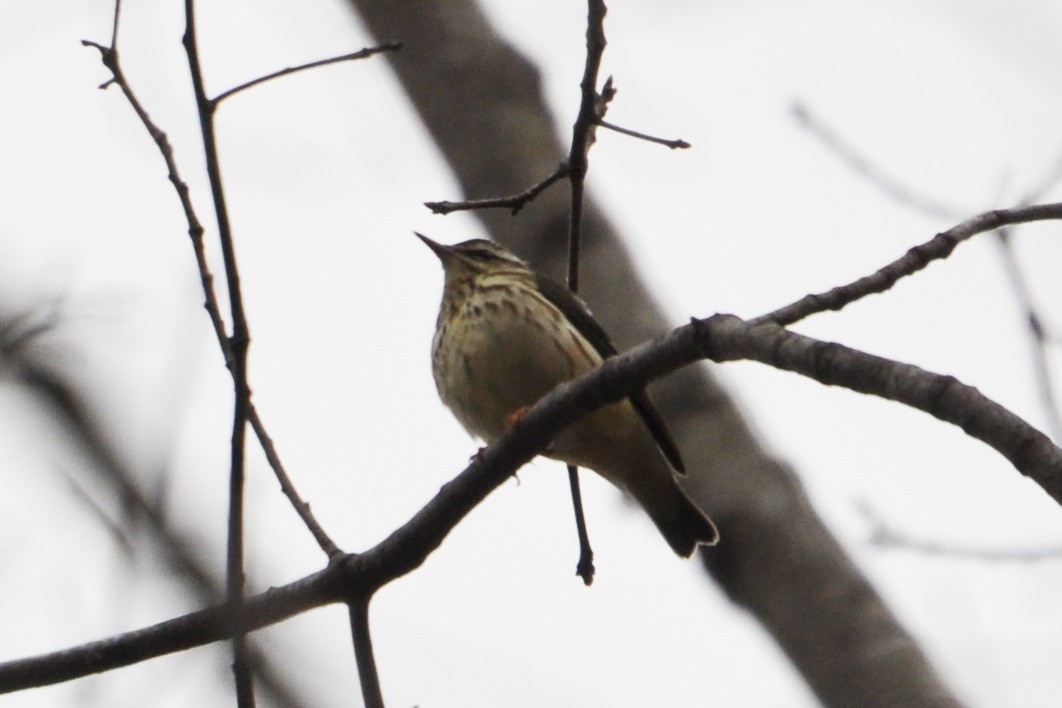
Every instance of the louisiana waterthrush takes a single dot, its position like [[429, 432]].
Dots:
[[506, 336]]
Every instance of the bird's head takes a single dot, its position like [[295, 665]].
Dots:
[[469, 259]]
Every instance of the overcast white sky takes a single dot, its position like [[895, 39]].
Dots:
[[958, 101]]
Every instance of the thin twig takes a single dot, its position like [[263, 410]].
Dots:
[[114, 24], [301, 507], [884, 536], [360, 54], [371, 695], [859, 164], [1052, 177], [907, 197], [176, 549], [1044, 380], [18, 332], [1040, 339], [592, 108], [584, 568], [514, 203], [109, 56], [677, 143], [239, 341], [917, 258]]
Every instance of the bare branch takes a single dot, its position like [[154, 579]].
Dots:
[[239, 342], [720, 338], [302, 507], [476, 92], [109, 55], [176, 549], [360, 54], [592, 108], [943, 397], [859, 164], [907, 197], [673, 144], [178, 634], [917, 258], [1044, 380], [358, 609], [584, 567], [515, 203], [886, 537]]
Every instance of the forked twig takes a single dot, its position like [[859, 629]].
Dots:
[[109, 56], [902, 194]]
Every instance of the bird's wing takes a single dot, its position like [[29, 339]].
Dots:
[[579, 315]]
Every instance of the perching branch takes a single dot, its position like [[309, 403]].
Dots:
[[720, 338]]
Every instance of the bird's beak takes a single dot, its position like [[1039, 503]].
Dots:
[[443, 252]]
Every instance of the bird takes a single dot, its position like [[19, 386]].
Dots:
[[506, 336]]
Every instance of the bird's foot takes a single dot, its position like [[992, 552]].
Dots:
[[516, 416]]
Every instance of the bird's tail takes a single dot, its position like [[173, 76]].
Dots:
[[650, 480], [614, 443], [682, 524]]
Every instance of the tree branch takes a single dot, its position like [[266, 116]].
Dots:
[[109, 56], [674, 144], [720, 338], [484, 104], [239, 341], [358, 609], [917, 258], [360, 54], [860, 165], [514, 203]]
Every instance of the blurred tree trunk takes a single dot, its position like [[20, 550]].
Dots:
[[483, 105]]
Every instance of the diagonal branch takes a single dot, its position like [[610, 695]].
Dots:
[[917, 258], [674, 143], [720, 338], [352, 56], [852, 157], [1045, 381]]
